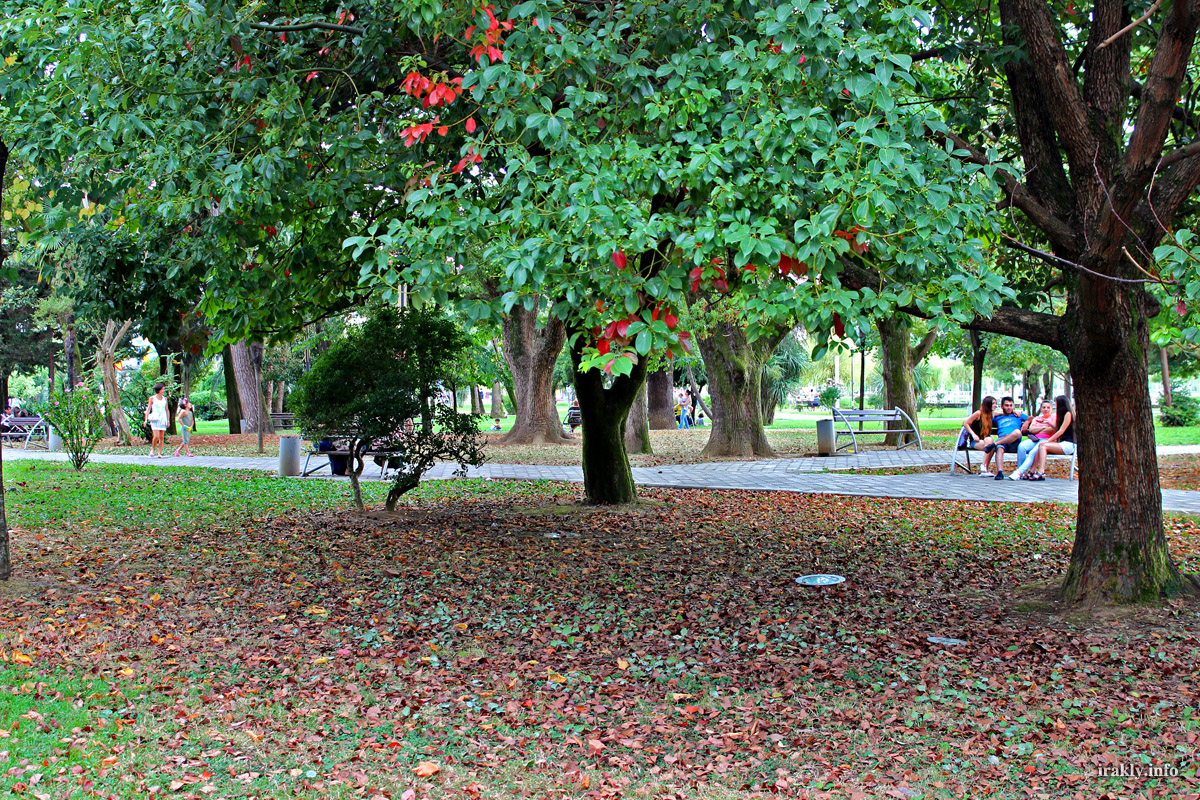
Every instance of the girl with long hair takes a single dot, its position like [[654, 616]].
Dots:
[[977, 429]]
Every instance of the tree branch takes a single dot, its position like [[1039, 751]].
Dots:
[[308, 26], [1130, 26], [919, 352], [1059, 233], [1175, 156]]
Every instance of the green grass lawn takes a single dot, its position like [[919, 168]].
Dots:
[[193, 633]]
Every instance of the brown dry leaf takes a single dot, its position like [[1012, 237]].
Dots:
[[427, 769], [622, 664]]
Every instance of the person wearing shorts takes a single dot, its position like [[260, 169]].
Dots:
[[1009, 430], [186, 417], [1061, 442]]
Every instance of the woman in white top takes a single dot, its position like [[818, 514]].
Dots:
[[157, 418]]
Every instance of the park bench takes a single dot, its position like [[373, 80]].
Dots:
[[386, 457], [968, 450], [873, 415], [29, 430], [282, 420]]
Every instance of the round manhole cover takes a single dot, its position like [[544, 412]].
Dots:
[[820, 580]]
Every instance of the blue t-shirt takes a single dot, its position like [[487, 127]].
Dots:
[[1007, 423]]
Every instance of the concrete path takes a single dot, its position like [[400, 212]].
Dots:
[[804, 475]]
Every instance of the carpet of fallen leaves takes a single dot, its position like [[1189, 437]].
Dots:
[[494, 639], [240, 445]]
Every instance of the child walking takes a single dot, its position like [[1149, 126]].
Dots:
[[186, 417]]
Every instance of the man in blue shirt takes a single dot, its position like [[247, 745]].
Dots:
[[1009, 429]]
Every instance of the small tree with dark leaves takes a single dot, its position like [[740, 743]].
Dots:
[[377, 390]]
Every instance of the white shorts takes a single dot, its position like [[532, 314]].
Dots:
[[158, 424], [1068, 448]]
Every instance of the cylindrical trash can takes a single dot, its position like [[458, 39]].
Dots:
[[53, 440], [825, 437], [289, 455]]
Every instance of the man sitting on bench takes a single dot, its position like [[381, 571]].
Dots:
[[1009, 430]]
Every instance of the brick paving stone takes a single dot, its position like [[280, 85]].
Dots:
[[831, 475]]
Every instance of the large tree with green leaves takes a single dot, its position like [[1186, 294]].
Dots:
[[1094, 131]]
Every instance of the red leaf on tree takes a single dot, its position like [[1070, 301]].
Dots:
[[618, 259], [839, 327], [720, 285], [604, 346], [695, 274], [470, 124], [622, 327], [671, 320], [310, 76], [1181, 308]]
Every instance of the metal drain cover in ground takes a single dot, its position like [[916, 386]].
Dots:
[[820, 580]]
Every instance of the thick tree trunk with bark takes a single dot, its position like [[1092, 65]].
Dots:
[[233, 404], [637, 428], [4, 385], [247, 385], [735, 367], [1047, 386], [476, 399], [898, 359], [530, 352], [277, 403], [607, 479], [1120, 551], [498, 411], [108, 377], [660, 399], [978, 356]]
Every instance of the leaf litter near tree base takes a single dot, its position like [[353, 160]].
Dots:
[[655, 650]]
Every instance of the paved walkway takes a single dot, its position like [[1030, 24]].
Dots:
[[804, 475]]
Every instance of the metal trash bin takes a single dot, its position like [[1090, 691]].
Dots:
[[289, 455], [825, 437], [53, 441]]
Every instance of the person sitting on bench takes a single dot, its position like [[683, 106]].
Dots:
[[977, 429], [1009, 430], [1060, 442]]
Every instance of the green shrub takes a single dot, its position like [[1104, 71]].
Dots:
[[377, 391], [78, 417], [1184, 411]]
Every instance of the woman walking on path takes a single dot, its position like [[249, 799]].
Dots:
[[157, 418], [186, 417]]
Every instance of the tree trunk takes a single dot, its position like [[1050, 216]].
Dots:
[[898, 358], [476, 399], [233, 404], [1120, 552], [280, 391], [1167, 399], [1068, 388], [637, 428], [269, 394], [5, 561], [734, 378], [108, 378], [978, 356], [50, 374], [607, 479], [695, 394], [530, 353], [69, 352], [660, 398], [498, 411], [4, 385], [247, 384], [768, 398]]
